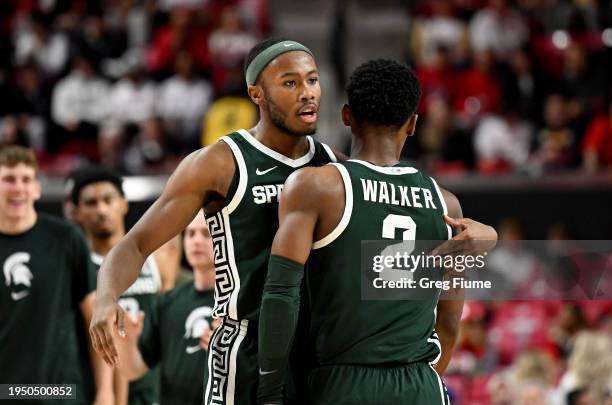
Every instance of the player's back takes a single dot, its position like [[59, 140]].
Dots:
[[380, 203]]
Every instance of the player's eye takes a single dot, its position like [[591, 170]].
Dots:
[[313, 80], [289, 83]]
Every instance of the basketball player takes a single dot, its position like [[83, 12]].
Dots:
[[100, 208], [237, 181], [46, 293], [367, 352], [182, 317]]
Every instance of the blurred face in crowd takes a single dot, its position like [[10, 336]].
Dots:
[[290, 93], [198, 244], [555, 112], [19, 189], [101, 210]]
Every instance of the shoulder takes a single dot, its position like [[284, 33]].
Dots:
[[214, 162], [309, 185], [452, 204]]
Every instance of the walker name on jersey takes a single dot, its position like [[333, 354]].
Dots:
[[266, 194], [388, 193]]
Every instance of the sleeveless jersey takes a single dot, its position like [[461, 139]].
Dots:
[[381, 203], [243, 231]]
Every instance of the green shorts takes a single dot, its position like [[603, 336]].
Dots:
[[411, 384]]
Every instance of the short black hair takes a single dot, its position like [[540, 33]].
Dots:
[[383, 92], [80, 178], [259, 48]]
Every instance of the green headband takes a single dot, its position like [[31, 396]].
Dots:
[[267, 55]]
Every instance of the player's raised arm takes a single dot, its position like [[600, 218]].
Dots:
[[201, 179]]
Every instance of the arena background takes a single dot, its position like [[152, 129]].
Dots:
[[515, 119]]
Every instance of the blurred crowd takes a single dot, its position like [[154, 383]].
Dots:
[[513, 85], [131, 84], [546, 351]]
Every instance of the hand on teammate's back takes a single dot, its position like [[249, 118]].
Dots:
[[107, 320], [474, 238]]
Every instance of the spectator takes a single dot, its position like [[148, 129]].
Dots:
[[498, 28], [183, 100], [38, 42], [97, 40], [556, 143], [437, 78], [80, 102], [597, 143], [441, 29], [181, 35], [441, 145], [228, 45], [589, 367], [132, 99], [152, 151], [480, 91], [570, 321], [583, 83], [502, 142], [526, 82]]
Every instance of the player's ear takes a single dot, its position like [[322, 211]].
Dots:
[[411, 124], [346, 115], [256, 93], [37, 189]]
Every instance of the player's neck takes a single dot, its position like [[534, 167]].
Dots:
[[294, 147], [102, 246], [204, 278], [15, 226], [378, 149]]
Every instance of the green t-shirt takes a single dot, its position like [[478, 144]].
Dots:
[[43, 338], [182, 316]]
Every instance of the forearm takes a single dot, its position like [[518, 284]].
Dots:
[[277, 323], [447, 326], [103, 376], [120, 269]]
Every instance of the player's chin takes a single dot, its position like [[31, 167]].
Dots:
[[303, 129]]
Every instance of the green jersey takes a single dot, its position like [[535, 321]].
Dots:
[[182, 316], [46, 274], [141, 296], [381, 203], [243, 231]]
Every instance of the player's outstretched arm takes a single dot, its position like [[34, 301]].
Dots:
[[202, 178], [298, 215]]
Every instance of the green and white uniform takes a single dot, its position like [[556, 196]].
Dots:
[[141, 296], [368, 351], [242, 234], [46, 273], [182, 316]]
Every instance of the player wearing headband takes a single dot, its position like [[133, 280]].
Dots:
[[237, 181]]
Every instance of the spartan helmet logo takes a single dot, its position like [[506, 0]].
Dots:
[[197, 323], [16, 273]]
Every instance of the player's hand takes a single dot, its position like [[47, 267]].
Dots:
[[107, 320], [206, 336], [474, 238]]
